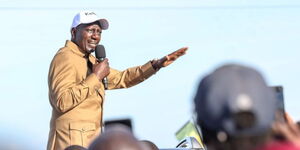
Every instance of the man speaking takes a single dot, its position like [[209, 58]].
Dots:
[[76, 90]]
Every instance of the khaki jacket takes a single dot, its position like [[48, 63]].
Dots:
[[77, 96]]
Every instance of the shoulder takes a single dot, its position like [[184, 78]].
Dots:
[[63, 55]]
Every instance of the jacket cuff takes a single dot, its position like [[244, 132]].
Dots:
[[148, 70]]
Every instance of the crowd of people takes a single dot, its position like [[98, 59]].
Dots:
[[236, 109], [117, 137]]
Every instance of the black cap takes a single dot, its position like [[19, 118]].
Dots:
[[232, 89]]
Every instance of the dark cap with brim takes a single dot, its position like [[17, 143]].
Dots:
[[230, 90]]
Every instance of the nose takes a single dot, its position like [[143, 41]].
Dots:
[[95, 36]]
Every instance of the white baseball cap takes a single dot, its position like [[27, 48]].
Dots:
[[85, 17]]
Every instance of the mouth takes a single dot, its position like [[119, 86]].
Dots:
[[92, 44]]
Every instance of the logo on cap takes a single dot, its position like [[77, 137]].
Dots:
[[89, 13]]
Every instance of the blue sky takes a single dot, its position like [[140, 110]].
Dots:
[[261, 34]]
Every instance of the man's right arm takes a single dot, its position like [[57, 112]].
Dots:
[[65, 91]]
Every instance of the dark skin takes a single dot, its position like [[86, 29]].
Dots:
[[167, 60], [88, 36]]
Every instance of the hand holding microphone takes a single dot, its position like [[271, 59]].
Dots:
[[101, 69]]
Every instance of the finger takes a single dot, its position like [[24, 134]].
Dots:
[[174, 57], [288, 118], [181, 50], [181, 54], [282, 130], [171, 57], [291, 124], [278, 128], [167, 57], [294, 128], [176, 54]]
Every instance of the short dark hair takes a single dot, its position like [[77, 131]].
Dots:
[[75, 147], [150, 144]]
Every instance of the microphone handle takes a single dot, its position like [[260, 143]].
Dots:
[[105, 83], [104, 80]]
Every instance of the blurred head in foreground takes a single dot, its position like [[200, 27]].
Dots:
[[148, 145], [235, 108], [116, 137], [75, 147]]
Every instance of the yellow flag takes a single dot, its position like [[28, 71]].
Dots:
[[189, 129]]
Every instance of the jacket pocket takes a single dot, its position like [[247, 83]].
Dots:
[[81, 133]]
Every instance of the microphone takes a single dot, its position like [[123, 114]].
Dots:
[[100, 55]]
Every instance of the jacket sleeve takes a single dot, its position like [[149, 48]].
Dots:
[[129, 77], [64, 90]]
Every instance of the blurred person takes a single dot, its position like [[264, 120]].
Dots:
[[76, 92], [235, 108], [116, 137], [148, 145], [75, 147], [288, 118], [298, 124], [286, 136]]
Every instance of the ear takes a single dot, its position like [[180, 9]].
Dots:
[[73, 33]]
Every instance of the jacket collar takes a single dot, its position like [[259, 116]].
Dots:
[[75, 49]]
